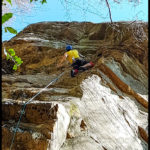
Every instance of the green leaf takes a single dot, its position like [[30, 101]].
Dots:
[[9, 1], [43, 1], [11, 30], [31, 1], [15, 67], [6, 17], [7, 57], [18, 60], [15, 57], [12, 52], [5, 29]]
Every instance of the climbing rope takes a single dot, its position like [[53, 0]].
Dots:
[[24, 106]]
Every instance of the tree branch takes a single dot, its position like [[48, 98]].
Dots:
[[109, 10]]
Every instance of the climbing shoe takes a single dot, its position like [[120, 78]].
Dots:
[[92, 64], [74, 72]]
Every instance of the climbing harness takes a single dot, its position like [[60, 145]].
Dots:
[[24, 106]]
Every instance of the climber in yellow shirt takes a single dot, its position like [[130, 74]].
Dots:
[[73, 56]]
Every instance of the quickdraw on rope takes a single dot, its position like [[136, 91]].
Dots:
[[24, 106]]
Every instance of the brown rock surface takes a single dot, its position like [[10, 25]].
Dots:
[[102, 108]]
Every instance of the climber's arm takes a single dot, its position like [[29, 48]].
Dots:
[[63, 59]]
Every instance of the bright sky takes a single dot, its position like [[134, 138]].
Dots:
[[94, 11]]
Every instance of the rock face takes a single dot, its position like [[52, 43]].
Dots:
[[104, 108]]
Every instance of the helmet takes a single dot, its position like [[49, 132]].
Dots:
[[68, 47]]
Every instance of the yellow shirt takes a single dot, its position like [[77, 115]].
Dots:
[[71, 55]]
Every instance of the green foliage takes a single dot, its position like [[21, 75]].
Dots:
[[9, 1], [8, 57], [43, 1], [11, 55], [5, 29], [15, 67], [11, 30], [6, 17], [18, 60], [12, 52]]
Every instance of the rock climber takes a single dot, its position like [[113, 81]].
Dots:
[[74, 58]]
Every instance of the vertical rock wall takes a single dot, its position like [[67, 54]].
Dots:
[[105, 107]]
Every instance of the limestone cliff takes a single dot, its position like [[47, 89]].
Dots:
[[104, 108]]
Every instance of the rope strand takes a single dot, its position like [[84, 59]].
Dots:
[[24, 106]]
